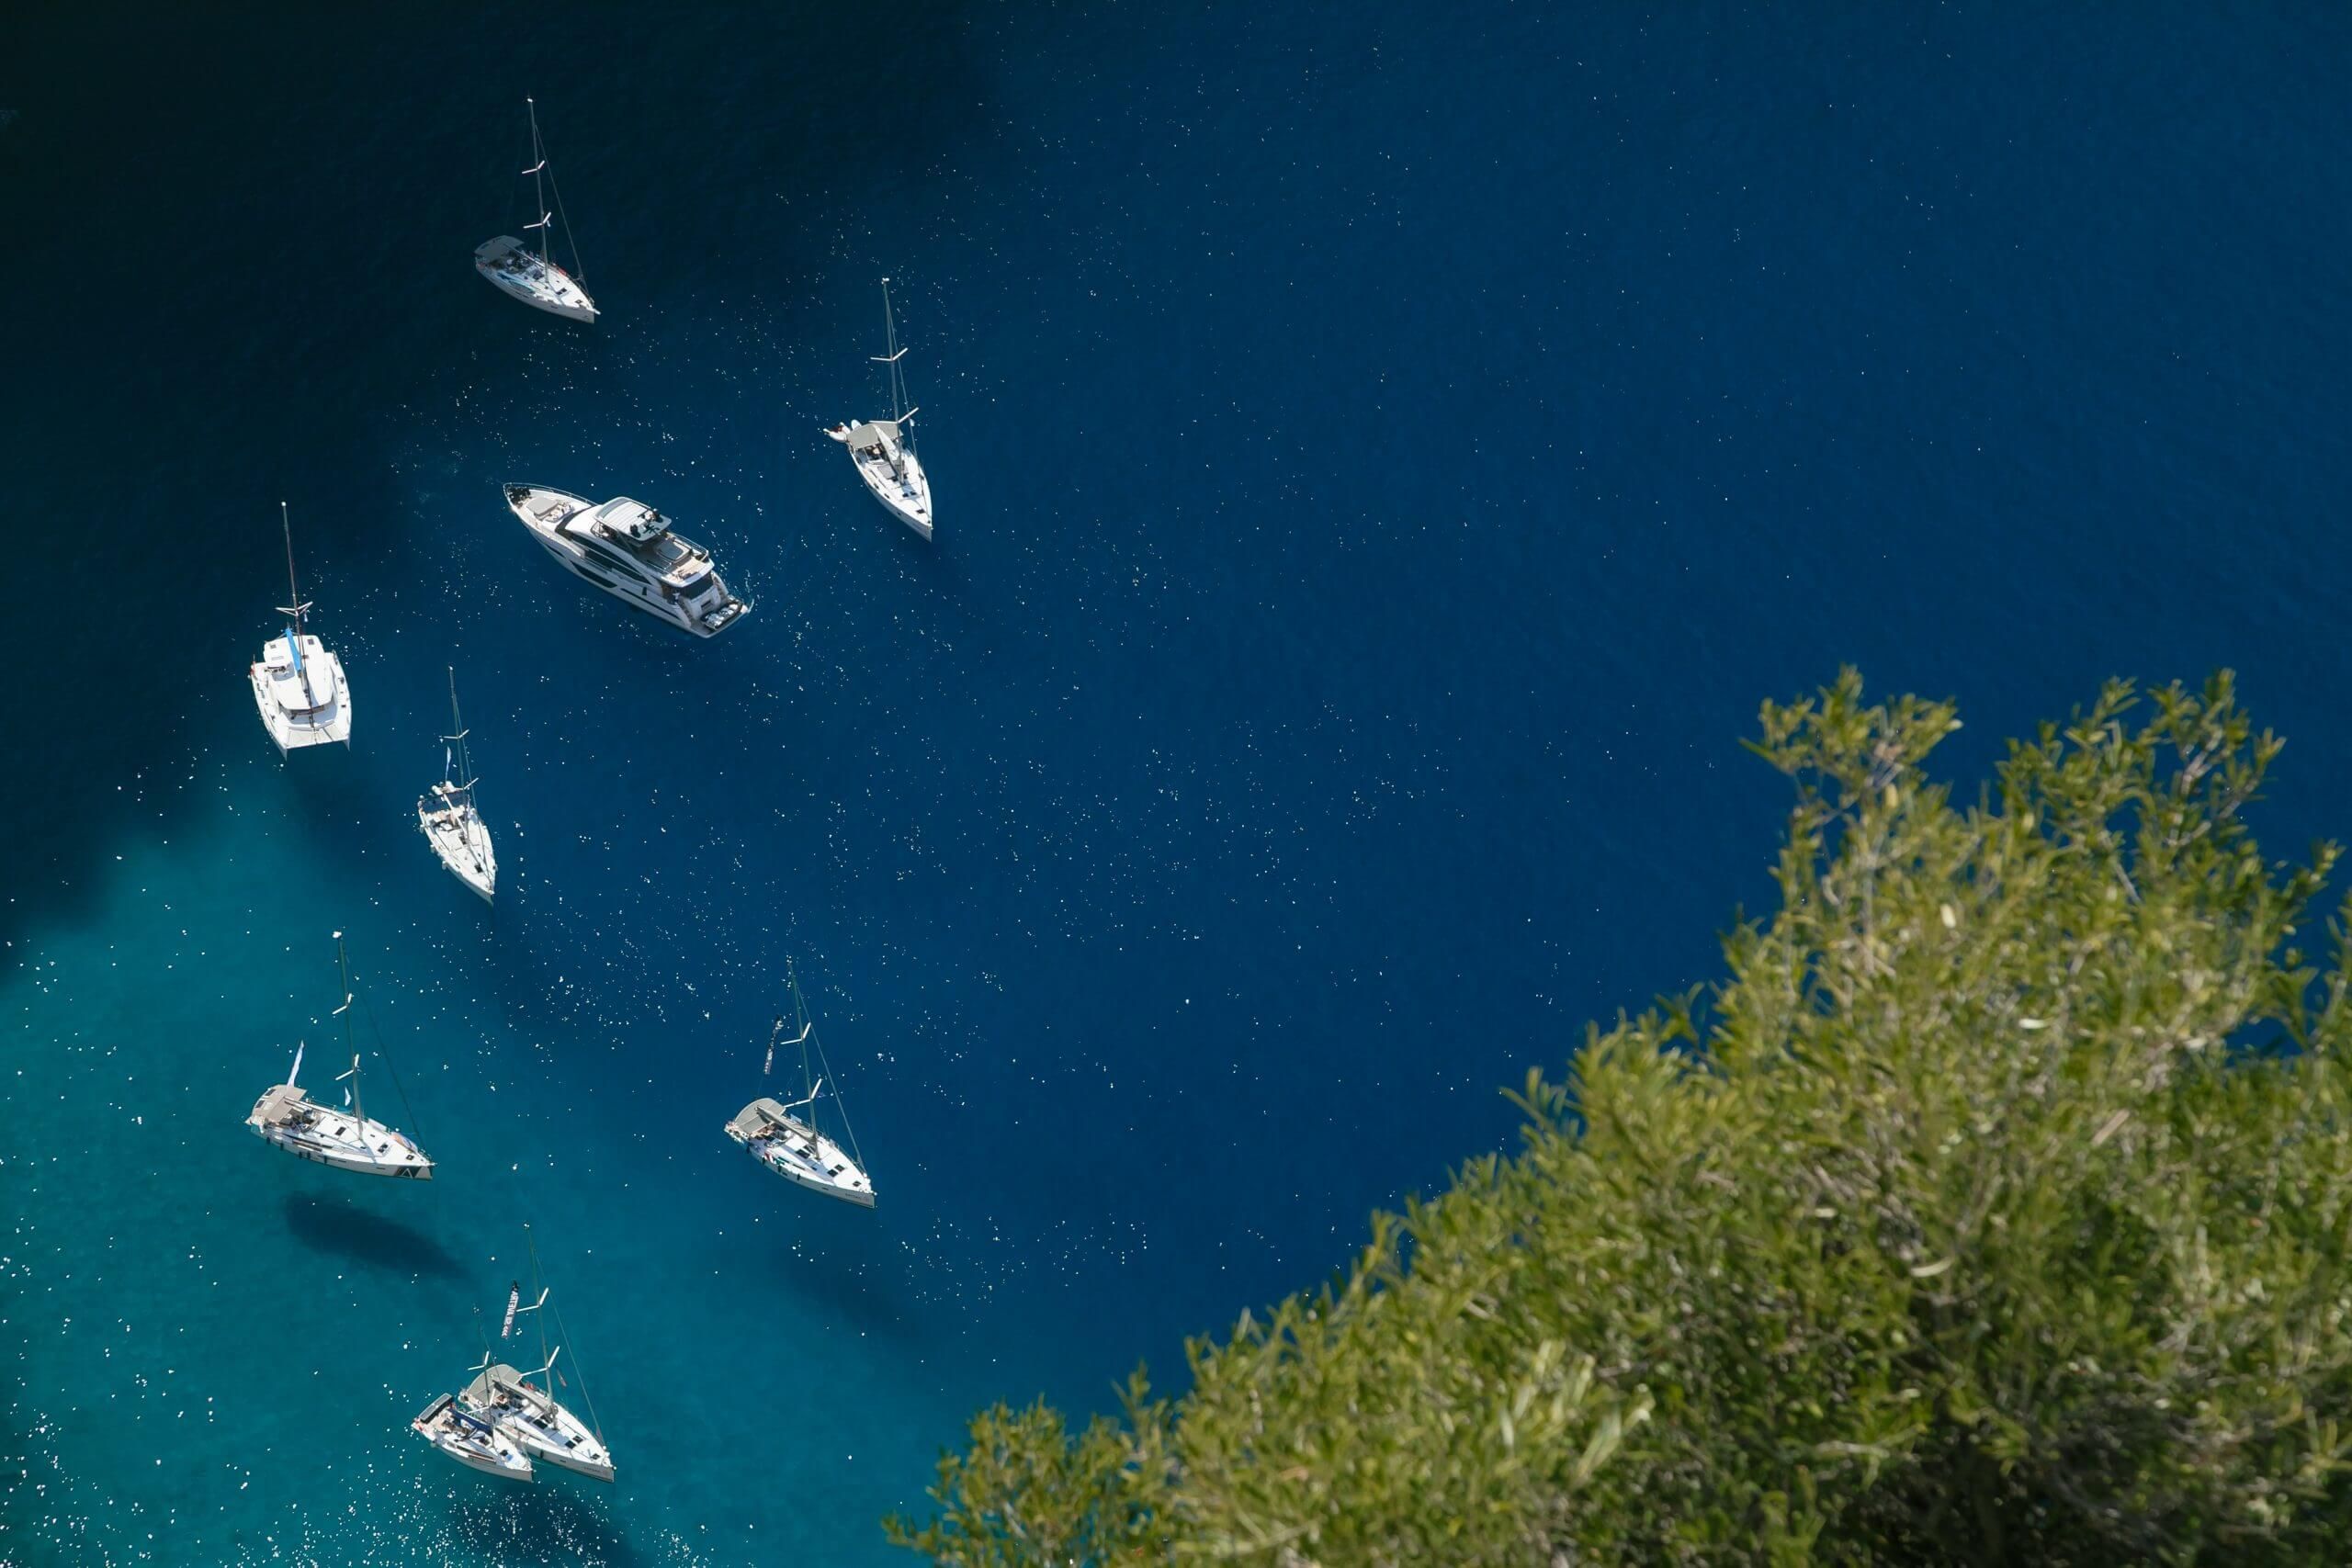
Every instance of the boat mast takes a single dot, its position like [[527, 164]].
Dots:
[[295, 608], [458, 725], [547, 1362], [293, 590], [899, 414], [538, 183], [800, 1016], [343, 964], [890, 344]]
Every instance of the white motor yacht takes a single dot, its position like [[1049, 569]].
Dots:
[[631, 551]]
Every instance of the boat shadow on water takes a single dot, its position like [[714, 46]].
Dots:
[[371, 1240], [546, 1523], [870, 1295]]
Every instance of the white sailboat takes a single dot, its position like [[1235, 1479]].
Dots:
[[470, 1440], [528, 1413], [793, 1147], [531, 276], [346, 1139], [452, 822], [883, 449], [298, 684]]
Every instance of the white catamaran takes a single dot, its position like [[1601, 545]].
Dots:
[[883, 449], [298, 684], [528, 1413], [451, 821], [793, 1147], [627, 549], [531, 276], [347, 1140]]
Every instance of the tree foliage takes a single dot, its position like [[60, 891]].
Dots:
[[1993, 1207]]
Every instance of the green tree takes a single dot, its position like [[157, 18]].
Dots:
[[1993, 1207]]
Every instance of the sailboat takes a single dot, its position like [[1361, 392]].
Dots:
[[286, 1115], [792, 1146], [883, 449], [470, 1440], [531, 276], [298, 684], [451, 821], [528, 1413]]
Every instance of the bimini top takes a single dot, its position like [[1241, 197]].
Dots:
[[501, 1379], [757, 1117], [279, 1106], [631, 520], [875, 432]]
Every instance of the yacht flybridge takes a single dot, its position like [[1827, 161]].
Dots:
[[346, 1139], [627, 549], [474, 1442], [298, 684], [529, 1413], [448, 815], [793, 1146], [883, 449], [532, 276]]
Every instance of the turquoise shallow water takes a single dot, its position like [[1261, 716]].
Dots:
[[1382, 459]]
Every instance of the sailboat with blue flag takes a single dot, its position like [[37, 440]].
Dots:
[[448, 815], [298, 686]]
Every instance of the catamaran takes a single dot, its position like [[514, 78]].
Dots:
[[793, 1147], [530, 1412], [470, 1440], [883, 449], [451, 821], [298, 684], [628, 549], [286, 1116], [531, 276]]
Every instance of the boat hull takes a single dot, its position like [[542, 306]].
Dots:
[[340, 1141], [770, 1136], [908, 499], [463, 848], [499, 1456], [537, 1422], [542, 286], [863, 1199], [543, 511], [285, 712]]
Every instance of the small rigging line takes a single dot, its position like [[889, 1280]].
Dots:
[[563, 1336], [383, 1054]]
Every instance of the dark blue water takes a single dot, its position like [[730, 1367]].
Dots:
[[1383, 454]]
